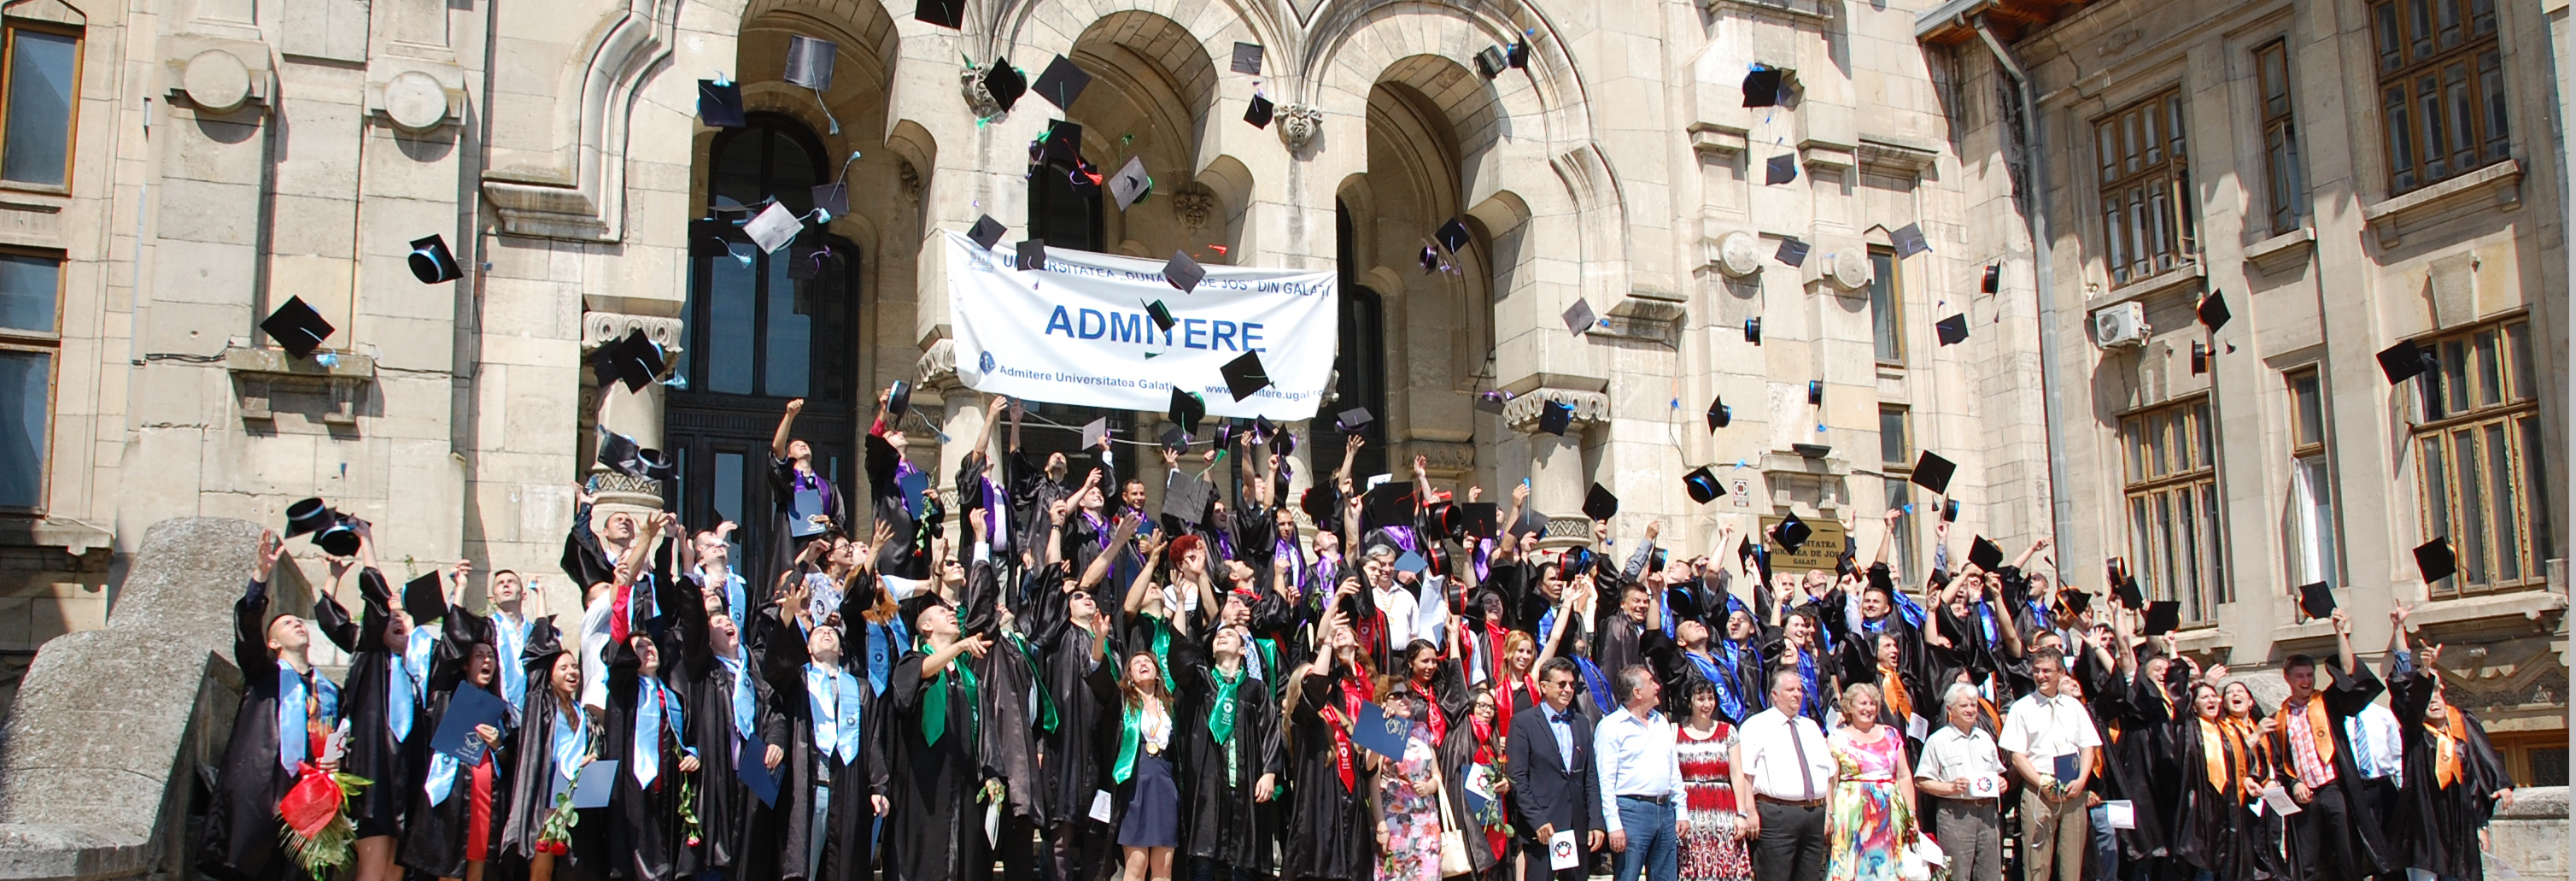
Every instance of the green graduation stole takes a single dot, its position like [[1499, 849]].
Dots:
[[1046, 702], [934, 706], [1221, 720]]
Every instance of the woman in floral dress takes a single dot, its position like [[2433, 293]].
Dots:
[[1712, 847], [1408, 800], [1871, 818]]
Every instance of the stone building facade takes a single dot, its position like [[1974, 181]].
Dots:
[[218, 157]]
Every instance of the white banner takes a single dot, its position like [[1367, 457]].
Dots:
[[1077, 332]]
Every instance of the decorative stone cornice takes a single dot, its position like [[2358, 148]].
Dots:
[[937, 368], [1298, 124], [1522, 412], [1445, 458], [601, 328]]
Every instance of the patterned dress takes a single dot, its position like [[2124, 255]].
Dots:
[[1412, 821], [1867, 825], [1710, 849]]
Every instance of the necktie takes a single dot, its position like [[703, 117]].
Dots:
[[1806, 783]]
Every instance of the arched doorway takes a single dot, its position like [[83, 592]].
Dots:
[[764, 329]]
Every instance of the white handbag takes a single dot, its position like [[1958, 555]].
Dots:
[[1454, 860], [1923, 860]]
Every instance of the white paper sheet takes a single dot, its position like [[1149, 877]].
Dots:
[[2278, 799], [1100, 805], [2123, 815], [1561, 852]]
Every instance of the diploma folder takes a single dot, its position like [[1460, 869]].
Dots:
[[469, 707], [748, 765], [1374, 732], [808, 505]]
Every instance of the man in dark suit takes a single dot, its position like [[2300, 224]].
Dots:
[[1549, 759]]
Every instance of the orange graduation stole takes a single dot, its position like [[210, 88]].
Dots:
[[2320, 735], [2223, 754], [2450, 738]]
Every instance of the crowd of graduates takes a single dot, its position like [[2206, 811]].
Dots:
[[1035, 675]]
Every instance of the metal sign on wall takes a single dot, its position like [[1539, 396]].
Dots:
[[1820, 551]]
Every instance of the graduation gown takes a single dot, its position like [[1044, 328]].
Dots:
[[1011, 712], [643, 819], [836, 845], [935, 828], [1458, 752], [375, 751], [2212, 829], [1084, 691], [434, 833], [1225, 822], [1332, 835], [2436, 825], [2144, 759], [537, 771], [241, 833], [733, 823]]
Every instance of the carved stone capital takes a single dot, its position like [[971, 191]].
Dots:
[[1193, 204], [936, 370], [979, 100], [601, 328], [1445, 458], [1298, 124], [1522, 412]]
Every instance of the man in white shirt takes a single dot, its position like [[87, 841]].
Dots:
[[1782, 758], [1640, 776], [2051, 738], [1961, 768]]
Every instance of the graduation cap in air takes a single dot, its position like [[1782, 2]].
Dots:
[[1388, 504], [1095, 431], [1792, 533], [424, 599], [986, 232], [431, 263], [1517, 54], [617, 453], [2405, 360], [1780, 169], [1285, 444], [1792, 252], [1438, 561], [1985, 554], [1185, 498], [1949, 510], [1182, 272], [1994, 278], [1701, 483], [1933, 472], [1259, 111], [1175, 440], [773, 228], [1130, 183], [1529, 522], [340, 539], [652, 464], [1909, 241], [2075, 601], [1161, 314], [1579, 317], [720, 104], [1062, 82], [1762, 87], [898, 399], [707, 237], [1063, 143], [948, 14], [309, 515], [1005, 83], [1719, 414], [810, 61], [2316, 600], [1247, 58], [1187, 410], [1244, 376], [2126, 593], [1491, 63], [1556, 417], [1453, 235], [1318, 504], [1032, 256], [1952, 330], [2199, 357], [633, 359], [1753, 330], [1430, 259], [1600, 503], [1353, 421], [833, 199], [1444, 519], [1480, 519], [2213, 311], [2163, 617], [1816, 392], [297, 328], [2435, 560], [806, 261]]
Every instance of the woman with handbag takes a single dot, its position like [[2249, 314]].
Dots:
[[1406, 797], [1712, 842], [1469, 761], [1870, 821]]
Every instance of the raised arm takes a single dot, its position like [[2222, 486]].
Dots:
[[1145, 575], [1887, 538], [786, 425], [984, 436]]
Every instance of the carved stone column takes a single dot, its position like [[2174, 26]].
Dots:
[[1558, 479], [957, 413], [635, 414]]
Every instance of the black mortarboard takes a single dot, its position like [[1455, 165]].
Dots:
[[2435, 560], [1186, 410], [1430, 259], [1247, 58], [1161, 314], [1438, 561], [1353, 421], [1792, 252], [1183, 273], [617, 453], [707, 237], [2199, 357], [2163, 617], [1576, 561], [1032, 256], [1753, 330], [1259, 111], [1063, 142], [898, 399], [431, 263], [1245, 375], [1816, 392], [634, 360], [1185, 498], [1517, 53], [1005, 83], [1527, 523], [1701, 483], [1600, 503], [1719, 414], [832, 199], [1131, 183], [1388, 504], [986, 232], [652, 464], [1481, 519], [1317, 502], [1444, 519], [2213, 311], [1780, 169], [1792, 532], [2316, 600], [1762, 87], [2075, 601], [339, 539], [1579, 317], [1453, 235], [945, 13], [297, 328], [1933, 472], [1909, 241], [720, 104], [2404, 360], [423, 599], [1062, 83], [1556, 417], [1949, 510], [309, 515], [2127, 594], [1176, 440], [1952, 330], [1985, 554], [1491, 63], [1994, 278]]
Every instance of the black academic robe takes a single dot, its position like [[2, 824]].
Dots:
[[533, 774], [2144, 761], [241, 833], [838, 847], [1007, 680], [374, 752], [935, 828], [1083, 689], [1332, 835], [733, 824], [1032, 494], [643, 819], [1457, 753], [1227, 820], [907, 554], [2211, 829], [433, 839], [2351, 842], [2436, 826]]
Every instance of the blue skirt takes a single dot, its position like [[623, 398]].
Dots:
[[1153, 805]]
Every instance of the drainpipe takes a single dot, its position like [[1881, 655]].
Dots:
[[2060, 507]]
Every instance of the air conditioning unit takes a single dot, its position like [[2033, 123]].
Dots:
[[2121, 325]]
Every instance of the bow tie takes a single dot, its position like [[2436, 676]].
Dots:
[[1566, 717]]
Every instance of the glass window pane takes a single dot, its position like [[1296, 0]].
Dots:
[[2491, 82], [36, 146], [2464, 116], [2535, 489], [2455, 374], [2507, 520], [2472, 538], [1891, 437], [787, 342], [30, 288], [731, 306], [2310, 400], [2315, 517], [2517, 343], [1883, 319], [726, 497], [2401, 136], [2194, 591], [2106, 142], [2166, 563], [2437, 487], [2133, 433], [2205, 453], [2214, 562], [2482, 15], [26, 398], [2428, 108], [2392, 45], [2420, 27], [2490, 369]]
